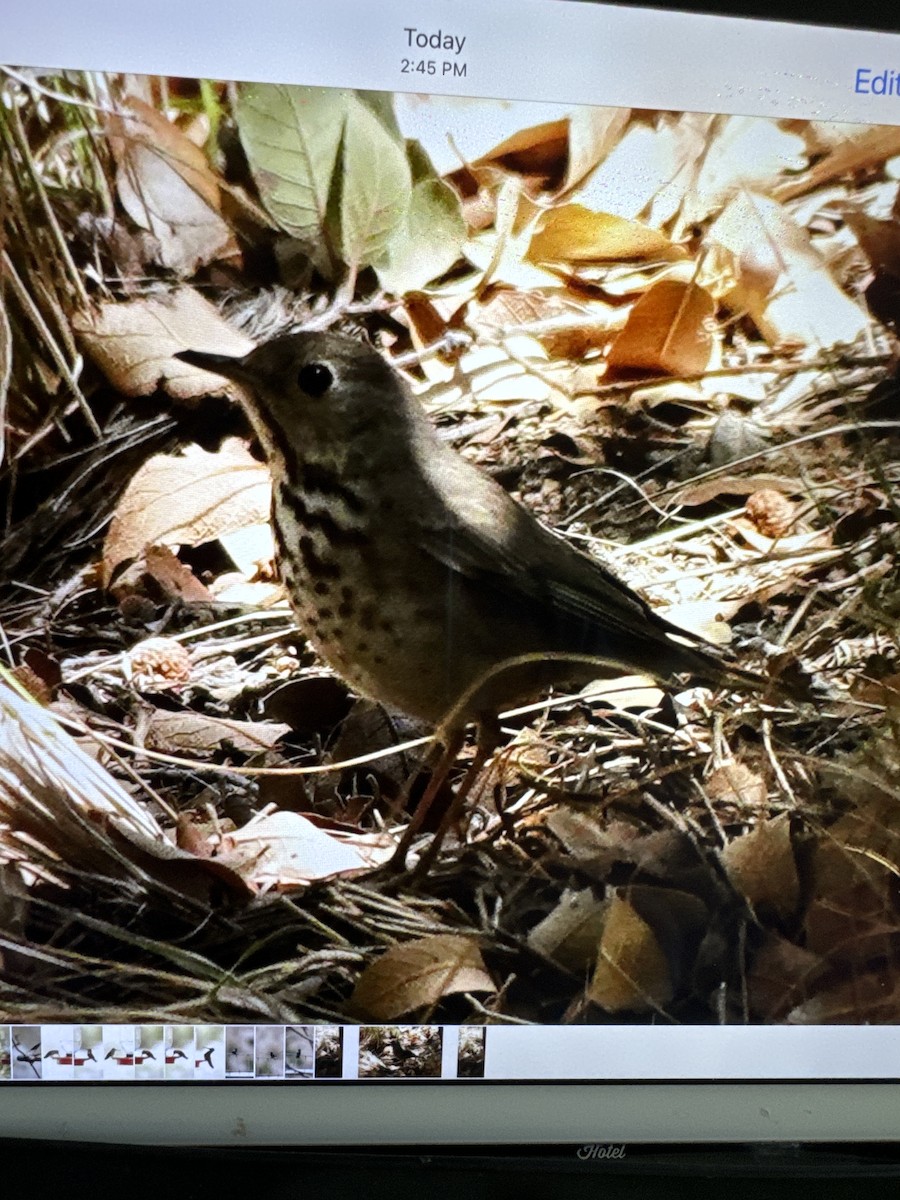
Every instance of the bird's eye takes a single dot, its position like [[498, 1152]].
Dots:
[[315, 379]]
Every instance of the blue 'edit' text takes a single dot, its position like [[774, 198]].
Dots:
[[877, 83]]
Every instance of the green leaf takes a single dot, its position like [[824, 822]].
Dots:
[[291, 136], [373, 187], [381, 104], [330, 166], [427, 243]]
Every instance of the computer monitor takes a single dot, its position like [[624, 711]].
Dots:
[[560, 807]]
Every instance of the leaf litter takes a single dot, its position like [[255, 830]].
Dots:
[[671, 335]]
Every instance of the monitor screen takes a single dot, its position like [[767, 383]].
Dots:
[[448, 580]]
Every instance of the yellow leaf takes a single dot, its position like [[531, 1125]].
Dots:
[[573, 234]]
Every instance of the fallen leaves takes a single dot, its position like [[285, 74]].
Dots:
[[187, 499], [133, 343], [737, 785], [537, 261], [780, 278], [570, 933], [668, 332], [285, 851], [632, 972], [763, 869], [167, 188], [575, 235], [192, 734], [416, 975]]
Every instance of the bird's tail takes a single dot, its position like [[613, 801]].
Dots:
[[683, 653]]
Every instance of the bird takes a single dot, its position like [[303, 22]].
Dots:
[[416, 576]]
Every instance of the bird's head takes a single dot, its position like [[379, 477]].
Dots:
[[306, 392]]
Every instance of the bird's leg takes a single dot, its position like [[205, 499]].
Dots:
[[489, 739], [451, 745], [429, 763]]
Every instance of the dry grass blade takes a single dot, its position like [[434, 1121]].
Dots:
[[48, 783]]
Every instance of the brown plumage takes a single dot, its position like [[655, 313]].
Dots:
[[412, 573]]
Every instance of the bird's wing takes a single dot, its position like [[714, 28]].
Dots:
[[488, 537], [467, 522], [590, 608]]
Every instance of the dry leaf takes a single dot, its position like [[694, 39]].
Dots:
[[168, 188], [668, 332], [780, 278], [573, 234], [537, 151], [632, 973], [884, 692], [852, 917], [592, 845], [286, 851], [746, 152], [233, 588], [781, 977], [187, 499], [705, 618], [638, 169], [880, 242], [133, 343], [734, 436], [570, 934], [426, 322], [734, 783], [625, 692], [173, 579], [763, 869], [858, 147], [252, 550], [593, 132], [597, 848], [418, 974], [194, 733]]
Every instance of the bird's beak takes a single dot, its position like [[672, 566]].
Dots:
[[218, 364]]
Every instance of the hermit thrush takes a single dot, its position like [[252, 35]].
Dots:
[[413, 574]]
